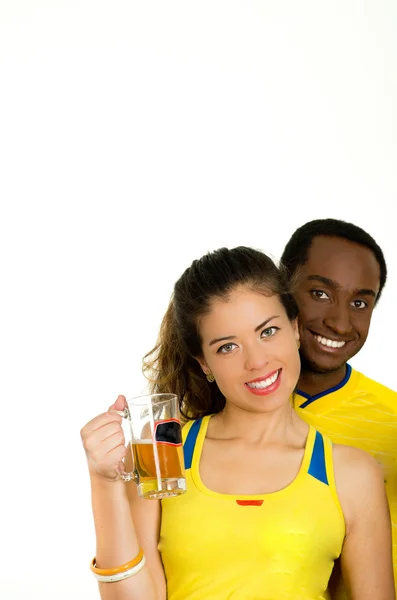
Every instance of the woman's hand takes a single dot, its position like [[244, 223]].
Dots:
[[104, 442]]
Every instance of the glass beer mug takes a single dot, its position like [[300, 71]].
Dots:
[[156, 445]]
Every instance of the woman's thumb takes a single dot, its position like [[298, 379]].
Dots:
[[120, 404]]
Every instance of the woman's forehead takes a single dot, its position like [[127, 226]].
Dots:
[[240, 307]]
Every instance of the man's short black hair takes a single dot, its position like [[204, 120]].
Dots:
[[297, 249]]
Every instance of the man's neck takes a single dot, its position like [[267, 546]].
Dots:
[[313, 383]]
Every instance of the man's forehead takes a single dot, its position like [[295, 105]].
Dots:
[[327, 250], [347, 264]]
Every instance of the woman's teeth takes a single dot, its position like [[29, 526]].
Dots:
[[264, 383]]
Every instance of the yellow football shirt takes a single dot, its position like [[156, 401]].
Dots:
[[363, 413]]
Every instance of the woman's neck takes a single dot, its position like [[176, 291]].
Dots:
[[256, 427]]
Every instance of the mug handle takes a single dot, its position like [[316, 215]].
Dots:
[[133, 475]]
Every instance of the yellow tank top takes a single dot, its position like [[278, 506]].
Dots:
[[264, 547], [363, 413]]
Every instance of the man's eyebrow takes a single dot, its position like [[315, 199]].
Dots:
[[233, 337], [334, 284], [365, 292], [325, 280]]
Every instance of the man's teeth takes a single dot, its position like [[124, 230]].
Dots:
[[265, 383], [330, 343]]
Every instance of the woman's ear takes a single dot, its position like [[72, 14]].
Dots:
[[206, 370], [295, 327], [203, 365]]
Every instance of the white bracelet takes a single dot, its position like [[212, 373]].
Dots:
[[121, 576]]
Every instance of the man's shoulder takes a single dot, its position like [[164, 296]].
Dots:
[[374, 387]]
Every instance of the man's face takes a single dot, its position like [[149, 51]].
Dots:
[[336, 293]]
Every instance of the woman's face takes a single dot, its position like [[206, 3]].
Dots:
[[250, 346]]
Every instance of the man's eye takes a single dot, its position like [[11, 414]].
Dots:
[[319, 294], [359, 304]]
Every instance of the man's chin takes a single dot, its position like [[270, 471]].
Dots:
[[314, 366]]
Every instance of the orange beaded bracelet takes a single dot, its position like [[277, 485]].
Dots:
[[115, 570]]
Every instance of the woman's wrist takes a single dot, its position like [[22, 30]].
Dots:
[[99, 481]]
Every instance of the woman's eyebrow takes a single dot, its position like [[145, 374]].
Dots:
[[233, 337]]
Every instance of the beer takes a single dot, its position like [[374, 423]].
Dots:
[[170, 458], [156, 446]]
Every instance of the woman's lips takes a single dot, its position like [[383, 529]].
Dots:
[[265, 385]]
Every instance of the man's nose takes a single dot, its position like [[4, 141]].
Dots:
[[338, 319]]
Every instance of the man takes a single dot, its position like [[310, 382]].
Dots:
[[338, 272]]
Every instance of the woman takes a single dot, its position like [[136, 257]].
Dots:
[[270, 503]]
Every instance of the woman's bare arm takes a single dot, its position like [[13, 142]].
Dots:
[[116, 535], [366, 559], [146, 516], [117, 543]]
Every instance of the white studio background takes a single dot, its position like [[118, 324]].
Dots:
[[134, 137]]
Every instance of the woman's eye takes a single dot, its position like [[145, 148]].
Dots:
[[269, 332], [319, 294], [226, 348]]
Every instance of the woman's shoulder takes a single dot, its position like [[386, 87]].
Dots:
[[359, 479], [356, 468], [187, 423], [192, 425], [353, 460]]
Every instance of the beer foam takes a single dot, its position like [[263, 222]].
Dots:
[[146, 441]]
